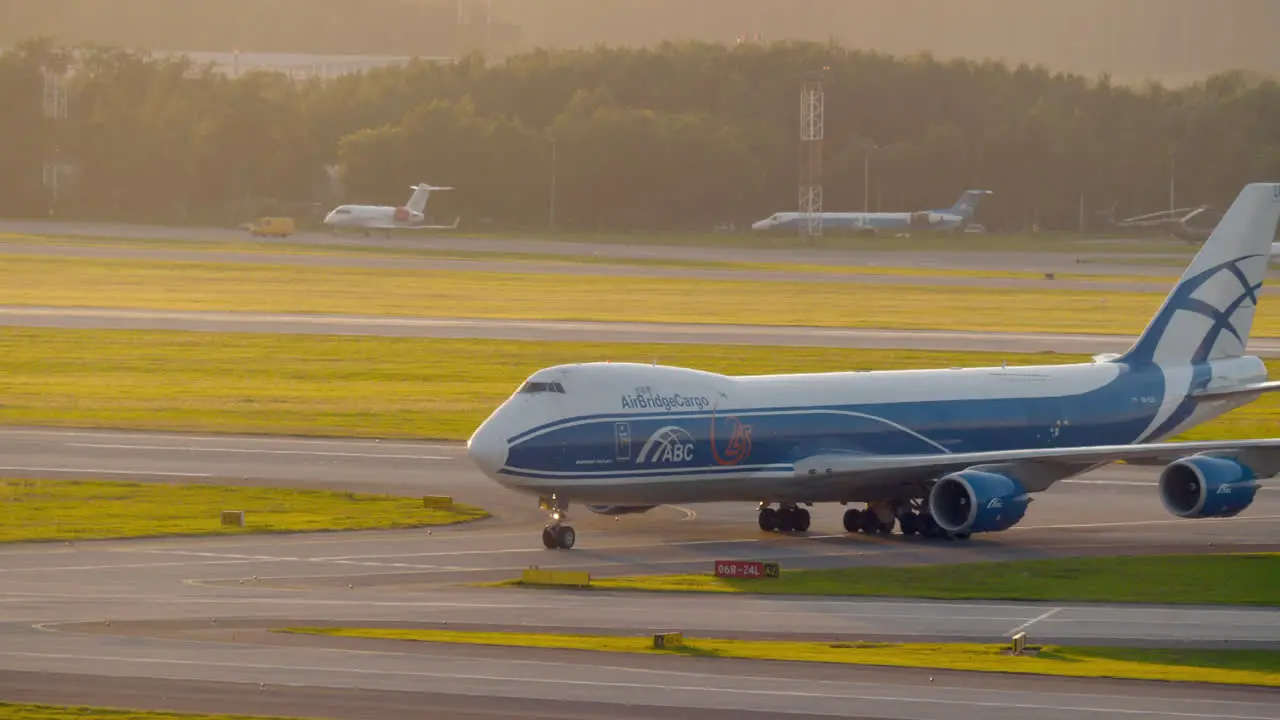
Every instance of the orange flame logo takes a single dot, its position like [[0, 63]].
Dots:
[[739, 443]]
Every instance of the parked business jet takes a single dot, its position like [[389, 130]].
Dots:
[[940, 453], [955, 217], [384, 217]]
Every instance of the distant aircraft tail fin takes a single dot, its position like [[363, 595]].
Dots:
[[421, 193], [1209, 313], [967, 205]]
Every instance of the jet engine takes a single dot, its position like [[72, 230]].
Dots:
[[1202, 486], [620, 509], [924, 219], [974, 501]]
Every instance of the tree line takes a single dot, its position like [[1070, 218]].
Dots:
[[680, 136]]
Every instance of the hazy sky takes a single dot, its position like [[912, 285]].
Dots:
[[1143, 37], [1131, 39]]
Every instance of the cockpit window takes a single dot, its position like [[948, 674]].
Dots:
[[542, 387]]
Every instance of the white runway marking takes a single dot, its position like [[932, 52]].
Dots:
[[1133, 483], [1034, 620], [729, 684], [104, 472], [1178, 521], [247, 451]]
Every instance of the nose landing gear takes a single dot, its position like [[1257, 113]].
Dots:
[[557, 535]]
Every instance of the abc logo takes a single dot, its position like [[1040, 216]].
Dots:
[[668, 445]]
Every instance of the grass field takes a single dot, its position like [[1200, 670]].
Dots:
[[260, 247], [275, 288], [42, 510], [27, 711], [1230, 579], [379, 387], [1243, 667]]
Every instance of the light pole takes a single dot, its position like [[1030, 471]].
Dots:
[[1172, 181], [866, 175], [552, 210]]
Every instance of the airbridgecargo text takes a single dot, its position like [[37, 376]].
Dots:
[[664, 402]]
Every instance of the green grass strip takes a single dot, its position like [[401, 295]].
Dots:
[[162, 285], [1236, 667], [1231, 579], [380, 387], [43, 510]]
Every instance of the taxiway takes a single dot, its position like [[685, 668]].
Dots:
[[574, 331]]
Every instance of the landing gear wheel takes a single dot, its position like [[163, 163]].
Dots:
[[928, 527], [786, 519], [801, 520], [871, 524], [852, 520], [565, 537], [768, 519], [910, 523], [549, 538]]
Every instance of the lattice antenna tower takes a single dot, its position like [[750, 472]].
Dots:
[[54, 106], [55, 95], [811, 134]]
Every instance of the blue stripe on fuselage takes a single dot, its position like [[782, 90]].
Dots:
[[747, 439]]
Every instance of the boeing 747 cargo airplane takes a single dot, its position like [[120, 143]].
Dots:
[[940, 453], [385, 217], [955, 217]]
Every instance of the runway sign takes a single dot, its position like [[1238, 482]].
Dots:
[[747, 569], [572, 578], [662, 641], [233, 518]]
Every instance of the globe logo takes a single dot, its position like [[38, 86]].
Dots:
[[668, 445]]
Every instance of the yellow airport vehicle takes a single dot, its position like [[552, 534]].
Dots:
[[280, 227]]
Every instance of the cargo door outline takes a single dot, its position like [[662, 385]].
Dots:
[[622, 441]]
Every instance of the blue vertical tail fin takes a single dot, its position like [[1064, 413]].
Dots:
[[967, 205], [1209, 313]]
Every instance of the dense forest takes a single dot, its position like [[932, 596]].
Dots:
[[677, 136]]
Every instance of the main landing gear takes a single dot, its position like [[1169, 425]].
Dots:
[[557, 535], [879, 518], [787, 518]]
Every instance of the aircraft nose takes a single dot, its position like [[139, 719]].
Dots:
[[487, 448]]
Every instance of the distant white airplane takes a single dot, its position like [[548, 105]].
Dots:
[[384, 217], [940, 453], [955, 217]]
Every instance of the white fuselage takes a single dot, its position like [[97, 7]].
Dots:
[[629, 433], [358, 216]]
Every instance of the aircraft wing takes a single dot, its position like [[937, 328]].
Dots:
[[1038, 468], [385, 226]]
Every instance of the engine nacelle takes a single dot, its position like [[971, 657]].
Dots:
[[1201, 486], [620, 509], [973, 501]]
